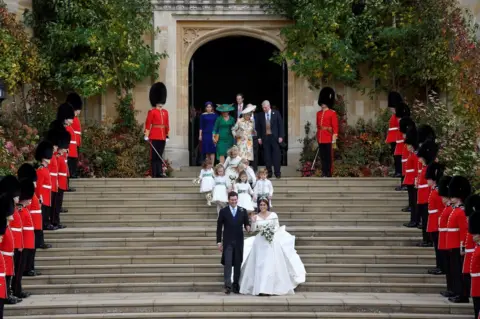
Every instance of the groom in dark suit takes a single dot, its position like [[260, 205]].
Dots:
[[232, 219]]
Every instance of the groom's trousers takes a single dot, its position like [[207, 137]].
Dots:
[[231, 253]]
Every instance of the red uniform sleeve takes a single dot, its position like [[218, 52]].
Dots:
[[318, 120], [167, 124], [38, 189], [148, 121], [335, 123], [77, 129], [463, 226]]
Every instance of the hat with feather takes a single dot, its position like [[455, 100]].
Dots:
[[75, 101], [27, 172], [158, 94], [428, 151], [394, 99], [443, 186], [65, 112], [435, 171], [472, 209], [44, 151], [459, 187], [327, 97]]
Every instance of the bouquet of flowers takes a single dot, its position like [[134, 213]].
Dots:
[[196, 181], [232, 179], [268, 231]]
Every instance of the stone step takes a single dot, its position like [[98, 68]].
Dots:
[[215, 259], [314, 231], [189, 241], [213, 250], [196, 286], [128, 221], [216, 305], [217, 268]]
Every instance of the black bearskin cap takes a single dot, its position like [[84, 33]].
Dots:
[[406, 124], [472, 209], [158, 94], [428, 151], [411, 137], [65, 112], [27, 172], [64, 139], [435, 171], [44, 151], [327, 97], [3, 223], [402, 110], [52, 136], [10, 186], [26, 189], [425, 132], [459, 187], [443, 185], [7, 208], [394, 99], [57, 125], [75, 101]]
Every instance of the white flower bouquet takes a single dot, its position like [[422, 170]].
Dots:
[[196, 181], [268, 231], [232, 179]]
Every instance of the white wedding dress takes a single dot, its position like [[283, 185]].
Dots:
[[270, 268]]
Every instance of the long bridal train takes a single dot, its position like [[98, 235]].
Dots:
[[271, 268]]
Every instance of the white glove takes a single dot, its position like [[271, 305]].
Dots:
[[146, 138], [167, 140]]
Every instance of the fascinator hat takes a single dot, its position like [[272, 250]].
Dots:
[[249, 109], [225, 108]]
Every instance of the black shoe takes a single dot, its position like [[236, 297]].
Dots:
[[63, 210], [410, 225], [236, 289], [31, 273], [49, 227], [398, 175], [401, 188], [23, 295], [458, 299], [406, 209], [419, 226], [60, 226], [447, 294], [269, 176], [278, 176], [424, 244], [12, 300], [435, 271], [45, 246], [227, 290], [71, 189], [74, 177]]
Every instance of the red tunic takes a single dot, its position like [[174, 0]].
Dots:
[[475, 272], [72, 150], [158, 124], [405, 155], [62, 172], [400, 143], [53, 168], [457, 228], [6, 246], [17, 230], [393, 129], [3, 280], [36, 213], [28, 230], [44, 186], [411, 169], [435, 208], [469, 249], [77, 129], [327, 126], [442, 227], [423, 188]]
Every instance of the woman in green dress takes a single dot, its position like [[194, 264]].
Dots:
[[222, 131]]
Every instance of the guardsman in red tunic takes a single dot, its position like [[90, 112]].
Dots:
[[411, 174], [65, 115], [458, 191], [394, 99], [76, 102], [442, 232], [405, 125], [427, 153], [22, 256], [472, 208], [435, 207], [327, 129], [43, 154], [27, 172], [3, 280], [53, 137], [63, 143], [402, 110], [157, 127]]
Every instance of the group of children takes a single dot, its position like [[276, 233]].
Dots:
[[443, 207], [234, 175], [31, 202]]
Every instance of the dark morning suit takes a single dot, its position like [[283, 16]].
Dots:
[[232, 242], [271, 147]]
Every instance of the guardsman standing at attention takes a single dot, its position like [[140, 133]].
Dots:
[[52, 137], [472, 208], [405, 124], [457, 228], [401, 111], [410, 175], [327, 129], [65, 116], [76, 102], [157, 128], [43, 155], [442, 233], [394, 99], [435, 207], [63, 144], [3, 228]]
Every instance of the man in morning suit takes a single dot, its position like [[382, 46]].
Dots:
[[232, 219]]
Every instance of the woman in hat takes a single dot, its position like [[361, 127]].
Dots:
[[222, 131], [207, 122], [243, 131]]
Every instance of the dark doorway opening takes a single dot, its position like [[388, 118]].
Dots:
[[221, 69]]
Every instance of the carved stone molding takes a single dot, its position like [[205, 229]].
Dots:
[[189, 35], [217, 6]]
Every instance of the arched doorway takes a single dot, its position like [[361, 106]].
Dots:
[[224, 67]]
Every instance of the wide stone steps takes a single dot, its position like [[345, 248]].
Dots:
[[215, 305]]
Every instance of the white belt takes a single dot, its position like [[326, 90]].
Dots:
[[53, 174], [393, 129], [7, 254], [2, 274], [28, 228], [47, 186], [433, 211], [410, 170], [15, 229], [467, 251], [404, 160], [477, 274], [452, 229], [62, 174], [400, 141], [73, 142], [36, 211], [77, 132], [423, 186]]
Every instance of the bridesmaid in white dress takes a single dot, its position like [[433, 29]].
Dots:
[[220, 190], [270, 268], [231, 163], [245, 192]]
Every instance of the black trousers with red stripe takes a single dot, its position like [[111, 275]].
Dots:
[[21, 259], [456, 265], [326, 158]]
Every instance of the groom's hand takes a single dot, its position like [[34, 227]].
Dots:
[[220, 247], [248, 228]]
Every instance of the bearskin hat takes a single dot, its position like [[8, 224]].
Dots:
[[44, 151], [459, 187], [26, 189], [472, 209], [411, 137], [52, 136], [158, 94], [406, 124], [428, 151], [327, 97], [10, 186], [65, 112], [7, 208], [443, 186], [3, 223], [75, 101], [57, 125], [394, 99], [402, 110], [425, 132], [64, 139], [27, 172], [435, 171]]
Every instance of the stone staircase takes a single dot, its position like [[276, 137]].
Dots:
[[144, 248]]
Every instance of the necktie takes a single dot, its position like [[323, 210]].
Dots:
[[234, 212], [268, 117]]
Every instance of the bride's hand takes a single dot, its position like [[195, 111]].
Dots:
[[254, 218]]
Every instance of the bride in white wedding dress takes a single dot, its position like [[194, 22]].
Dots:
[[270, 268]]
